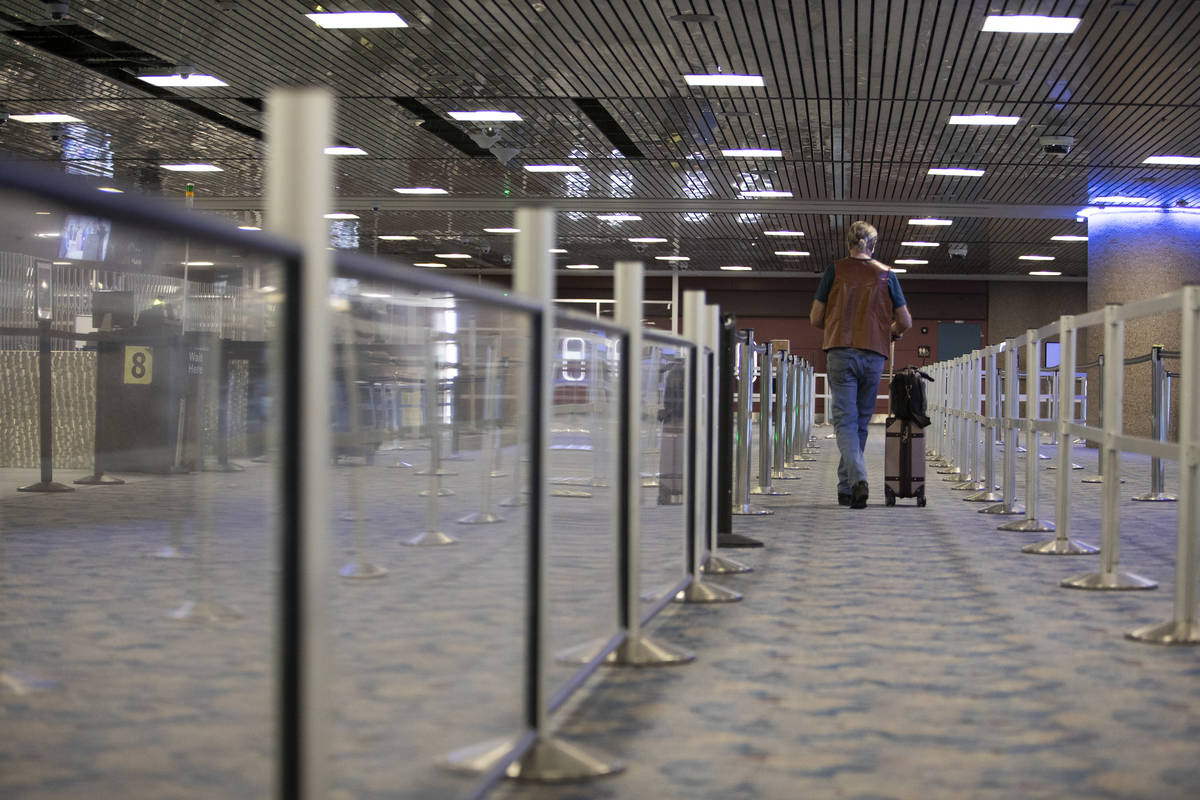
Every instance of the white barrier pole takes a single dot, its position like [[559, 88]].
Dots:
[[1183, 627], [1109, 577], [990, 429]]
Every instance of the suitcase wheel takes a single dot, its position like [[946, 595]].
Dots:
[[889, 496]]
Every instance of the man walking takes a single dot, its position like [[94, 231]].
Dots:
[[859, 305]]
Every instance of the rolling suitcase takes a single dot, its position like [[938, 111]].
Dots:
[[903, 454]]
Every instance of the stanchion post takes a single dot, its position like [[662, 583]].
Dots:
[[745, 433], [766, 422], [1159, 410], [970, 425], [1183, 627], [1008, 415], [1109, 577], [1099, 476], [545, 758], [45, 418], [992, 393], [1062, 544]]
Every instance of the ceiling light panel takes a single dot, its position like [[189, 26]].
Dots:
[[723, 79], [191, 167], [918, 244], [792, 253], [672, 258], [957, 171], [1045, 272], [501, 230], [44, 117], [752, 152], [1178, 161], [1035, 258], [583, 266], [736, 268], [553, 168], [619, 217], [419, 190], [344, 150], [783, 233], [395, 237], [451, 255], [358, 19], [179, 81], [1029, 23], [341, 215], [911, 261], [647, 240], [982, 119], [1068, 238], [485, 116], [764, 193], [930, 221]]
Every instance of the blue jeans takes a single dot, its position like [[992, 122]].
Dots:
[[853, 384]]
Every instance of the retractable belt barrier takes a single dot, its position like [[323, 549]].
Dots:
[[954, 404]]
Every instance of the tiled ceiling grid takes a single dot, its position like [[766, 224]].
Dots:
[[857, 96]]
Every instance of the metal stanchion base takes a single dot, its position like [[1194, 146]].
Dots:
[[720, 565], [497, 473], [98, 479], [205, 613], [969, 486], [441, 492], [751, 510], [1044, 457], [587, 447], [352, 516], [1111, 581], [1028, 526], [999, 508], [362, 571], [985, 496], [480, 518], [547, 760], [46, 486], [1096, 479], [457, 457], [1073, 466], [515, 501], [169, 551], [651, 483], [772, 492], [706, 593], [1021, 449], [1060, 547], [783, 476], [951, 473], [1156, 497], [430, 539], [641, 651], [737, 540], [1167, 633], [20, 684], [400, 463], [831, 436], [570, 493], [441, 472]]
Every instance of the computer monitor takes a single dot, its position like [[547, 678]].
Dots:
[[84, 238]]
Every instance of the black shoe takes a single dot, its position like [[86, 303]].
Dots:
[[858, 495], [843, 499]]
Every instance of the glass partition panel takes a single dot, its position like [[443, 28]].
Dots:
[[583, 472], [138, 558], [663, 452], [429, 497]]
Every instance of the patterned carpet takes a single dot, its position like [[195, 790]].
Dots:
[[882, 653]]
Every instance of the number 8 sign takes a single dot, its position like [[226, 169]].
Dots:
[[139, 364]]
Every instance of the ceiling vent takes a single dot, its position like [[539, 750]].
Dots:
[[1056, 145]]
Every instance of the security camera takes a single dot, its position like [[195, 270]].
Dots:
[[56, 131], [507, 259], [639, 246], [484, 248], [1056, 145], [486, 138], [1181, 202], [956, 250], [185, 70], [57, 10], [375, 207]]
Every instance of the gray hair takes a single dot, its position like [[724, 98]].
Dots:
[[862, 236]]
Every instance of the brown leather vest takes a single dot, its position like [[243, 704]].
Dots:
[[858, 312]]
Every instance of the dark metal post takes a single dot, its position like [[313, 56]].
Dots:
[[45, 417]]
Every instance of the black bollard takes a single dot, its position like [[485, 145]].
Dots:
[[45, 417]]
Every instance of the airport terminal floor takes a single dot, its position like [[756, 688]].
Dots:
[[880, 653]]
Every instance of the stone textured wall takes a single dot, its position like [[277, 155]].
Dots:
[[1133, 255]]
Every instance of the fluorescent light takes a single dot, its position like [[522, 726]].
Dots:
[[1183, 161], [982, 119], [619, 217], [267, 289], [1119, 199], [344, 150], [42, 213], [191, 168], [419, 190], [341, 215], [767, 193], [647, 240], [190, 82], [1068, 238], [930, 221], [1029, 23], [1035, 258], [429, 264], [44, 117], [736, 268], [556, 250], [249, 228], [65, 264], [485, 116], [791, 252], [918, 244], [671, 258], [911, 261], [451, 255], [501, 230], [1045, 272], [398, 238], [197, 263], [723, 79], [583, 266], [358, 19], [899, 270], [553, 168], [48, 235], [752, 152], [375, 295], [965, 173], [110, 189], [783, 233]]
